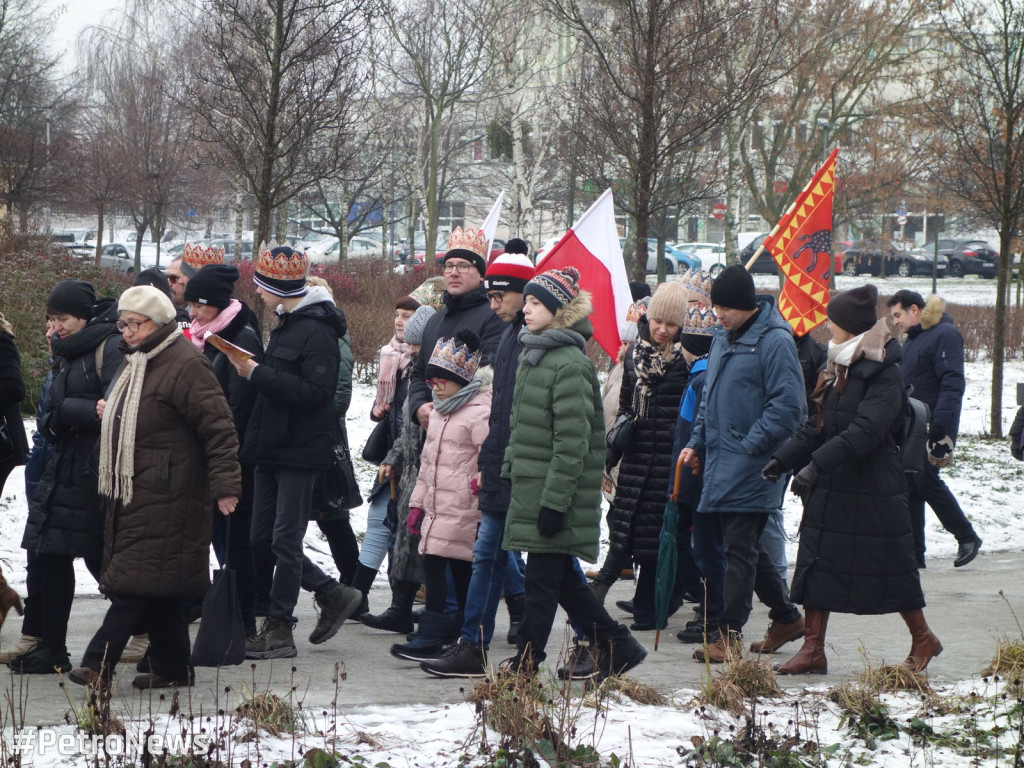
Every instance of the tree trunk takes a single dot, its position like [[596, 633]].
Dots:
[[431, 201], [240, 223], [999, 329], [99, 232]]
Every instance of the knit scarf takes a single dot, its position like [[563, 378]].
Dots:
[[394, 359], [650, 362], [870, 345], [223, 319], [536, 345], [117, 471], [459, 399]]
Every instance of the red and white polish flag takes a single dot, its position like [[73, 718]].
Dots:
[[592, 247]]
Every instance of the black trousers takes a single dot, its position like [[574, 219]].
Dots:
[[435, 580], [927, 487], [552, 581], [165, 620], [343, 544], [748, 569], [53, 577]]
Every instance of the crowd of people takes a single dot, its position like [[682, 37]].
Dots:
[[166, 425]]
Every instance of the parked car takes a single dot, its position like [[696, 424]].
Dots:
[[116, 256], [229, 250], [865, 257], [711, 255], [652, 260], [685, 258], [969, 257], [358, 248]]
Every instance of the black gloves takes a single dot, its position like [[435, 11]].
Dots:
[[772, 471], [940, 448], [804, 480], [550, 521]]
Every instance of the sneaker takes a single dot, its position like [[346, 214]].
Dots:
[[462, 659], [580, 665], [154, 680], [620, 657], [135, 650], [44, 660], [777, 635], [336, 604], [418, 651], [273, 641], [26, 644]]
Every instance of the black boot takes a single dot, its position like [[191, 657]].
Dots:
[[363, 580], [516, 608], [397, 618], [429, 640]]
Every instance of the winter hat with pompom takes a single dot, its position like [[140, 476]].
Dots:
[[455, 359], [554, 288]]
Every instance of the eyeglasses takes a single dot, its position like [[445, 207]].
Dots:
[[461, 268], [434, 383], [130, 325], [172, 279], [496, 296]]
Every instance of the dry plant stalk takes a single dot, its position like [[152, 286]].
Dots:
[[1008, 663], [512, 705], [741, 680], [641, 693]]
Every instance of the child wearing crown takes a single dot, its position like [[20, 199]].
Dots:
[[443, 508]]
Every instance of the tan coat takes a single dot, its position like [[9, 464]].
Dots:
[[186, 457]]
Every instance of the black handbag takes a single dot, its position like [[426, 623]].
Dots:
[[376, 447], [620, 436], [220, 641], [6, 442], [340, 487]]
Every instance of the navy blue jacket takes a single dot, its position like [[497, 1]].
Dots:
[[690, 485], [496, 491], [753, 402], [933, 364]]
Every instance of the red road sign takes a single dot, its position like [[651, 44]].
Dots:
[[718, 210]]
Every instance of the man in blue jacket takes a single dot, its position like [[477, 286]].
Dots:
[[933, 364], [753, 402]]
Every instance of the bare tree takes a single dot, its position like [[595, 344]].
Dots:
[[273, 81], [31, 107], [651, 96], [976, 108]]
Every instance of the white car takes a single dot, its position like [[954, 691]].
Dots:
[[358, 248], [711, 255]]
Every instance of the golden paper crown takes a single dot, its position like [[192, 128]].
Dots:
[[473, 240], [637, 309], [199, 255], [697, 282], [700, 322], [281, 267], [454, 356]]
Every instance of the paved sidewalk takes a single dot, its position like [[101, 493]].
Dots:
[[964, 608]]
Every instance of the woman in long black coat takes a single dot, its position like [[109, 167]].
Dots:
[[655, 378], [856, 552], [14, 448]]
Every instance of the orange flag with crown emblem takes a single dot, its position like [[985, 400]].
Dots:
[[801, 245]]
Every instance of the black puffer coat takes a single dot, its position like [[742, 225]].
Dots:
[[241, 395], [65, 516], [496, 491], [645, 470], [856, 551], [292, 422]]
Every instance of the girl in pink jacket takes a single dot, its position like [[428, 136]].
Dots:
[[443, 508]]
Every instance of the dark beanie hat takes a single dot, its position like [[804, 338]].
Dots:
[[212, 285], [408, 303], [639, 290], [855, 310], [517, 245], [154, 277], [71, 297], [734, 289]]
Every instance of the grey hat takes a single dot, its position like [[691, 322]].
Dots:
[[415, 325]]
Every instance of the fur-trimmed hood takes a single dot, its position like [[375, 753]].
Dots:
[[486, 375], [932, 312], [577, 309]]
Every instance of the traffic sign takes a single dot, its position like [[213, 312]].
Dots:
[[718, 210], [901, 220]]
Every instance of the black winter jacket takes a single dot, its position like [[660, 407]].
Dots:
[[933, 364], [470, 311], [65, 515], [240, 393], [856, 552], [496, 491], [646, 467], [812, 356], [292, 421], [12, 392]]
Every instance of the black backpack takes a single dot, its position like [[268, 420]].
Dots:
[[913, 437]]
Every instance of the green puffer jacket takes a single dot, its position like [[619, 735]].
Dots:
[[555, 455]]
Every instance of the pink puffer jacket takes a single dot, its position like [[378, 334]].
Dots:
[[448, 463]]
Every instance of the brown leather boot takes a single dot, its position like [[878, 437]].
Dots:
[[778, 635], [810, 659], [925, 645], [8, 599], [727, 646]]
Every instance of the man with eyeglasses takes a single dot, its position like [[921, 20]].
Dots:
[[466, 306], [506, 278]]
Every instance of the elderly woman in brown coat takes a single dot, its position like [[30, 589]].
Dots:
[[168, 448]]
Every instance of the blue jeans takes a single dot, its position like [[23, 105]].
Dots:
[[773, 540], [281, 506], [490, 572], [375, 542]]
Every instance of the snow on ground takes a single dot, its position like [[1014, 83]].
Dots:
[[985, 478]]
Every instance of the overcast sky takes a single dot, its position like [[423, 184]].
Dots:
[[75, 15]]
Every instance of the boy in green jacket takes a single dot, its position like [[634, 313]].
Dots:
[[554, 461]]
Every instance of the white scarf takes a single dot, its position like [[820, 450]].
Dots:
[[117, 472]]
